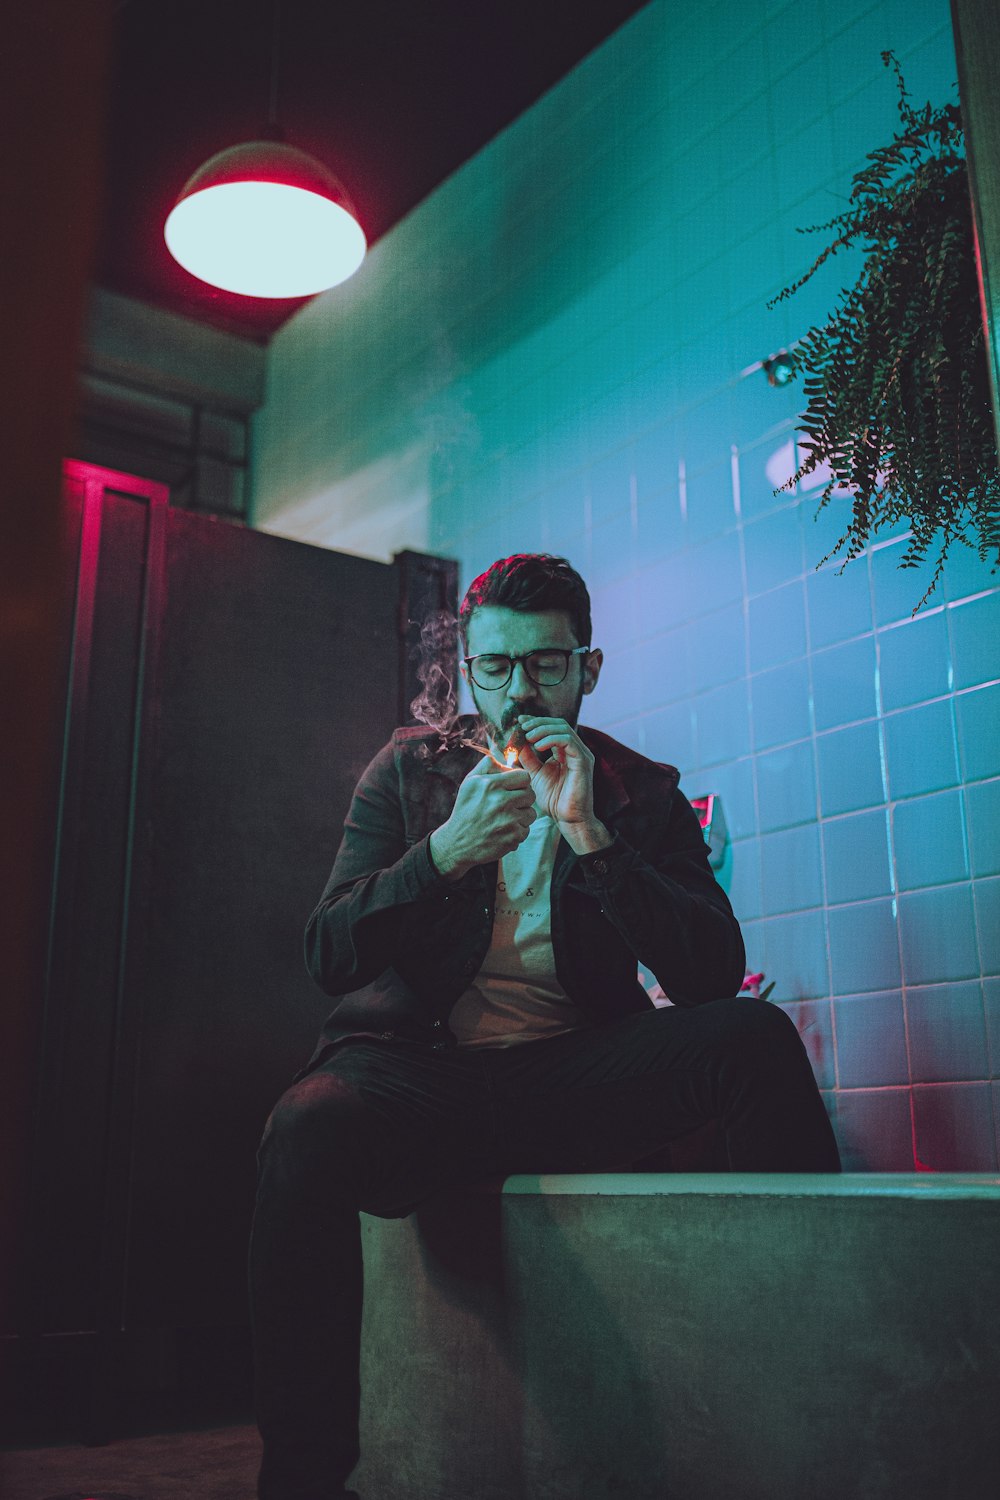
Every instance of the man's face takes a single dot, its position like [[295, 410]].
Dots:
[[510, 632]]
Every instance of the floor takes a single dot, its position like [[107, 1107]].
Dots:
[[220, 1464]]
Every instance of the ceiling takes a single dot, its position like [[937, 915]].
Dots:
[[393, 95]]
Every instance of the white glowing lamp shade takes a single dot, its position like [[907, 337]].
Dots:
[[265, 220]]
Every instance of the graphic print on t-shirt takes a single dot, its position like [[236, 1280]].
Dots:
[[516, 995], [522, 922]]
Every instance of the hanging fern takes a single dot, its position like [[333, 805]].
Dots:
[[896, 382]]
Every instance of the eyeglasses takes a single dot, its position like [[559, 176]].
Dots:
[[545, 668]]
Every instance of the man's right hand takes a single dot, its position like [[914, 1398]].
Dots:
[[493, 812]]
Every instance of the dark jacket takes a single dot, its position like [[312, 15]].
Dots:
[[400, 943]]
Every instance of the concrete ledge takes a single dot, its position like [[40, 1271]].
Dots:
[[921, 1185], [687, 1337]]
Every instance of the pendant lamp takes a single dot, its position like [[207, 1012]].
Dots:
[[265, 219]]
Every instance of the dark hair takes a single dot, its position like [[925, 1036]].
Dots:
[[531, 582]]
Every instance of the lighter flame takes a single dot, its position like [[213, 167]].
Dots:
[[515, 745], [509, 762]]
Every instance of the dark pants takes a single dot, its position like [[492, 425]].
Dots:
[[380, 1125]]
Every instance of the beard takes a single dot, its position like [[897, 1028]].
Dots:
[[499, 730]]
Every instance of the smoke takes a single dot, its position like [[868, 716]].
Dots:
[[436, 704]]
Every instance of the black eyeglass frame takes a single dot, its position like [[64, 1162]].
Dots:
[[495, 687]]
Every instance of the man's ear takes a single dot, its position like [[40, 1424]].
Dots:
[[592, 670]]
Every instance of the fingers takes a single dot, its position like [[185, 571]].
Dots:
[[529, 760], [510, 838], [516, 781], [546, 734], [487, 766], [514, 787], [525, 828], [553, 735], [563, 735], [525, 815]]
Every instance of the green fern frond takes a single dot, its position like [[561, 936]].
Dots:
[[895, 381]]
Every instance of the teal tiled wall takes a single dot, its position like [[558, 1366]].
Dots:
[[552, 352]]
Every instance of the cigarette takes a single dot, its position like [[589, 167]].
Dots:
[[515, 745]]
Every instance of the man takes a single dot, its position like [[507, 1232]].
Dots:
[[482, 930]]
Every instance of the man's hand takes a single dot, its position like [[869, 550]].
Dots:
[[563, 784], [493, 812]]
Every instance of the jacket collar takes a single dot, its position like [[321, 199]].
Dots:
[[610, 796]]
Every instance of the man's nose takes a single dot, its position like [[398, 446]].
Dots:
[[520, 685]]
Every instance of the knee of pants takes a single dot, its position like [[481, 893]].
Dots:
[[755, 1030], [316, 1120]]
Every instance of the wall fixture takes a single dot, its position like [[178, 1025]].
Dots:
[[265, 219], [779, 368]]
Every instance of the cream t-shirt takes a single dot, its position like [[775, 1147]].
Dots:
[[516, 997]]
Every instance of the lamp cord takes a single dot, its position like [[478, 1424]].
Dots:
[[272, 108]]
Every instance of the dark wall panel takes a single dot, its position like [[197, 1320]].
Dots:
[[224, 690], [277, 682]]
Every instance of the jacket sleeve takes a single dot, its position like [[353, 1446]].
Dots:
[[669, 908], [360, 924]]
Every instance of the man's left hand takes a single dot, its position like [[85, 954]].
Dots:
[[564, 784]]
